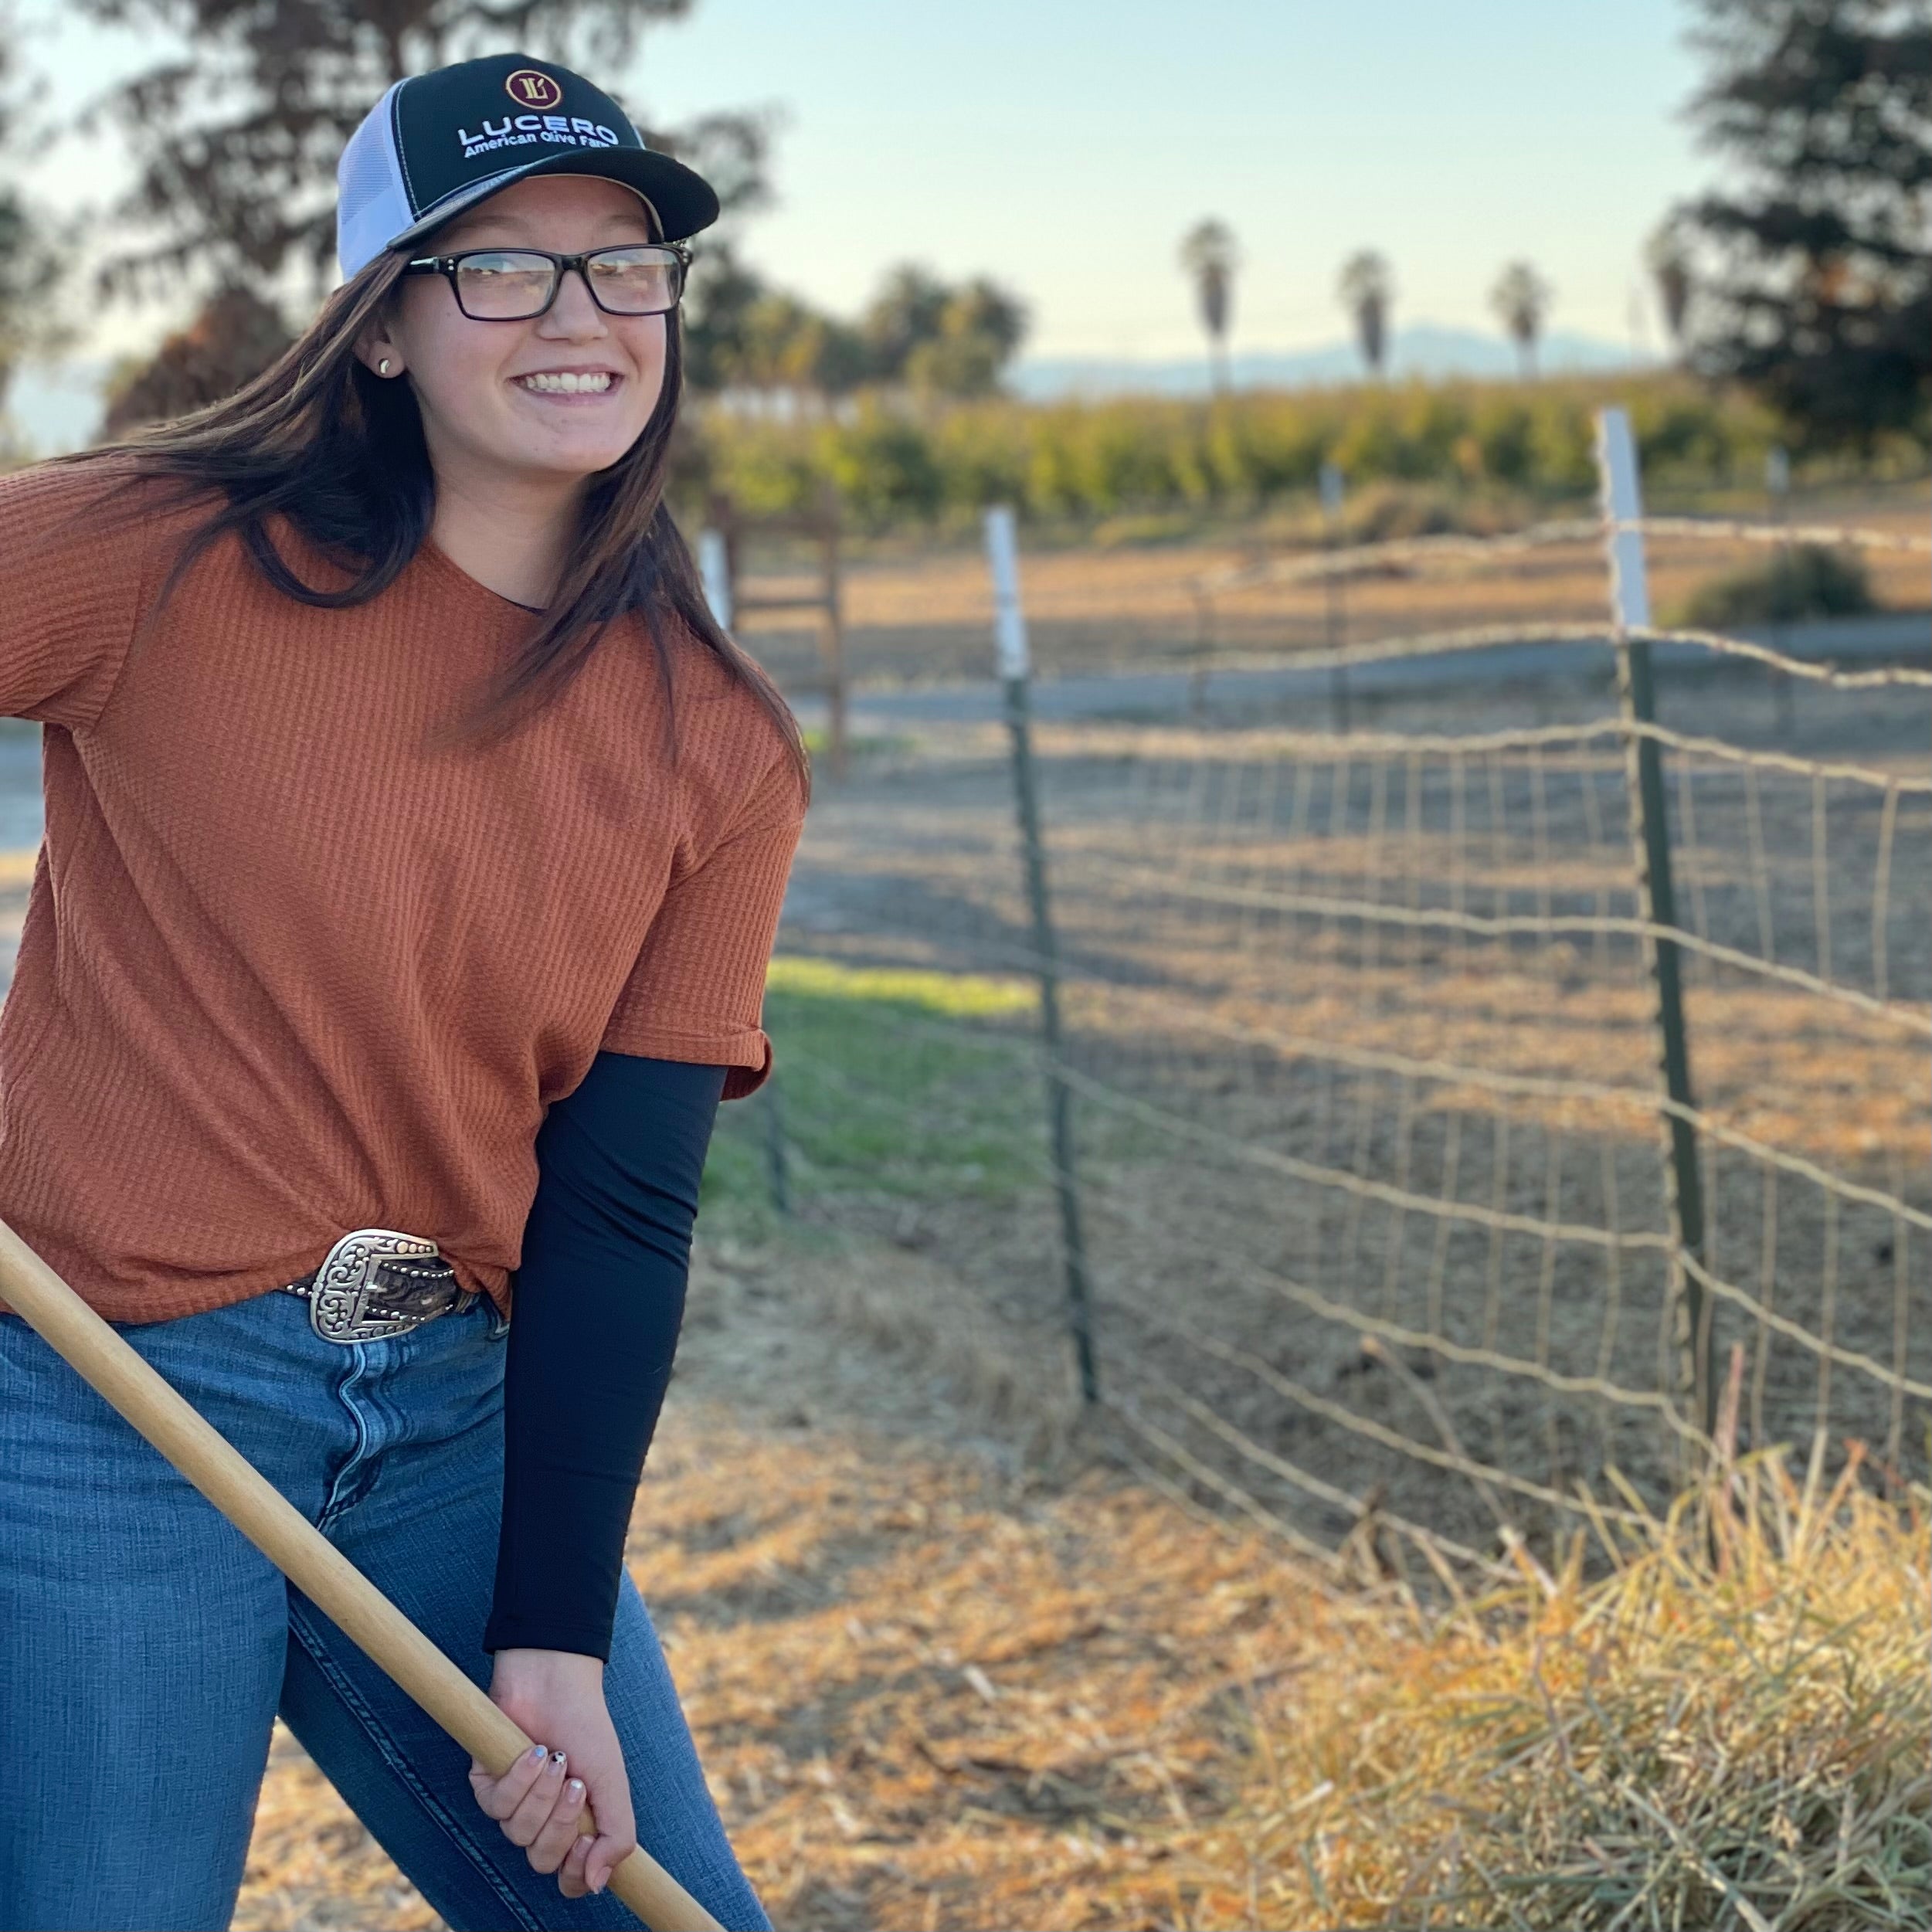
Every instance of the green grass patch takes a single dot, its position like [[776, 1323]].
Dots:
[[818, 741], [955, 996], [891, 1080]]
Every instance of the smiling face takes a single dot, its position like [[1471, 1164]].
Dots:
[[549, 401]]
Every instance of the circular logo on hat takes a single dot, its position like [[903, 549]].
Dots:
[[530, 87]]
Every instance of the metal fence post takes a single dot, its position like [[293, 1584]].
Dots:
[[775, 1162], [1778, 487], [1622, 503], [1010, 635], [831, 629], [1336, 626]]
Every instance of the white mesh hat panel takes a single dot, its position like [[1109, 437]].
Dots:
[[439, 142], [372, 205]]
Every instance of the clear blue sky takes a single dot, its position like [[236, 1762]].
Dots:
[[1064, 145]]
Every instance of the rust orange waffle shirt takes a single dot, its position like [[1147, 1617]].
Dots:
[[285, 972]]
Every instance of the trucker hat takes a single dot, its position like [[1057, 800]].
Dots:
[[436, 142]]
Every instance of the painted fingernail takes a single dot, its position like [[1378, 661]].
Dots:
[[537, 1754], [575, 1787], [556, 1758]]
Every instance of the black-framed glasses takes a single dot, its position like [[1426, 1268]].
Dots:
[[519, 284]]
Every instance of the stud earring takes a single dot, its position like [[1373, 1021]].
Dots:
[[382, 367]]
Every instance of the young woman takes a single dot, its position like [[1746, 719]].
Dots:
[[415, 844]]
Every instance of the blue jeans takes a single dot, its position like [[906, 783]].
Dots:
[[146, 1645]]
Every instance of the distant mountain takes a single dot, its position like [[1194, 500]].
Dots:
[[1425, 350]]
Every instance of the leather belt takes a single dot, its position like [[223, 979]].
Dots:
[[376, 1281]]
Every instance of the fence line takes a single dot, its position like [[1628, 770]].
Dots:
[[1237, 742], [1451, 1459], [1888, 782], [1377, 1235], [1286, 1468], [1351, 559], [1314, 1302], [1444, 643], [1444, 1072], [1474, 1213], [1813, 672], [1762, 1312], [1532, 1086], [1734, 530], [1347, 559], [1546, 926]]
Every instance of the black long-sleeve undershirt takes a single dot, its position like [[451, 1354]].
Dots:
[[598, 1301]]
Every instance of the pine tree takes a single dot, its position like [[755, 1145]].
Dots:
[[235, 337], [236, 137], [30, 267], [1813, 277]]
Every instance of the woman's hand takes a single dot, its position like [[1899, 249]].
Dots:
[[557, 1697]]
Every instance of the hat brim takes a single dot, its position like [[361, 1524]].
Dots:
[[680, 197]]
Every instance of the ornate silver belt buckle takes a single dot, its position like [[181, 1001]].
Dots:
[[337, 1304]]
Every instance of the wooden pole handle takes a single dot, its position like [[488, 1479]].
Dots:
[[290, 1541]]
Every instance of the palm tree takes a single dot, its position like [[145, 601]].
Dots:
[[1672, 273], [1367, 290], [1521, 300], [1210, 255]]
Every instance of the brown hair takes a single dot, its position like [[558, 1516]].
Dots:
[[339, 452]]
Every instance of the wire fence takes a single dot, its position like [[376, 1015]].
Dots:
[[1450, 1124]]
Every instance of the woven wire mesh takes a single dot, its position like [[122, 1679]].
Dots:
[[1363, 1047]]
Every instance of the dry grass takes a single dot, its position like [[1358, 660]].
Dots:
[[311, 1866], [1729, 1733], [937, 1685], [933, 1700]]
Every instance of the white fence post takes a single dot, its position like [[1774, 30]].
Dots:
[[1009, 618], [714, 566]]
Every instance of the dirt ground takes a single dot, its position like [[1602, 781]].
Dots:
[[1233, 1032], [939, 1681], [919, 612], [949, 1663]]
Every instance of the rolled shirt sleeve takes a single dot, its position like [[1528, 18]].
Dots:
[[697, 992]]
